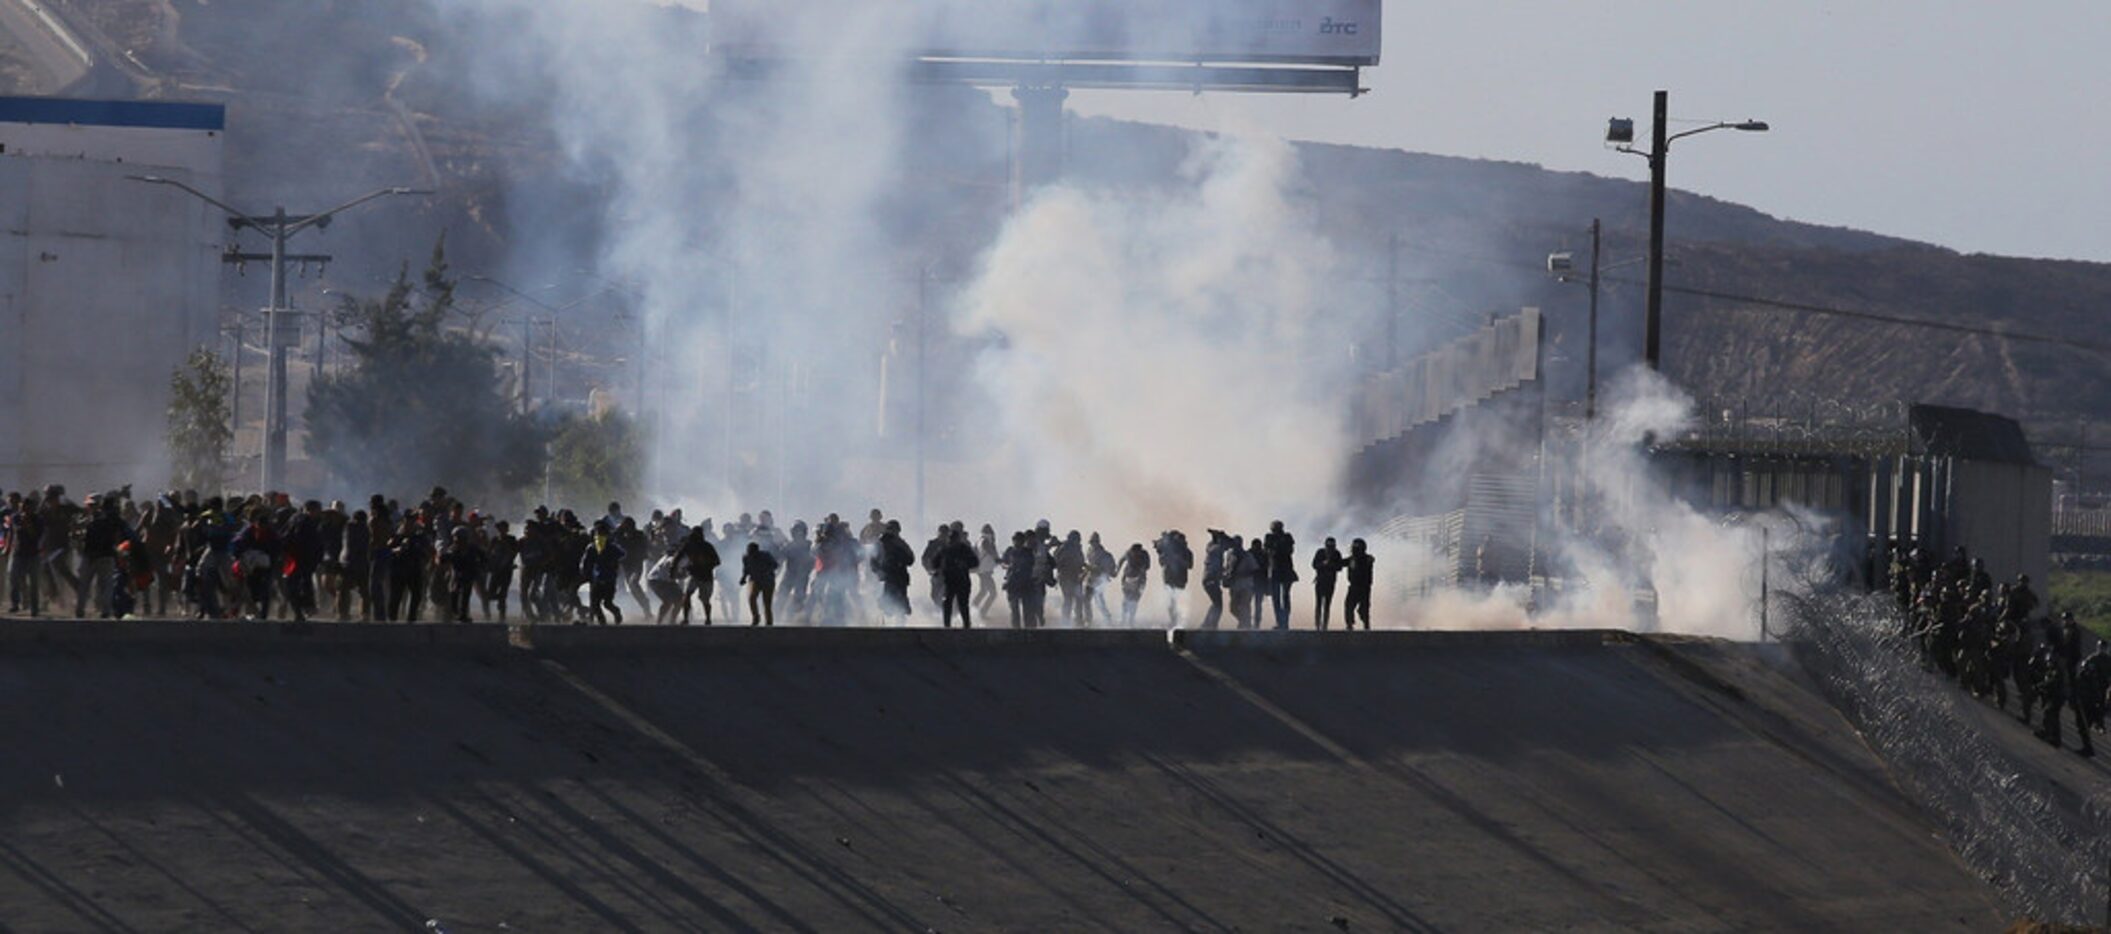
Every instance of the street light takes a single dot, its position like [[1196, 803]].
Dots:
[[1620, 134], [280, 226], [526, 352], [1562, 266]]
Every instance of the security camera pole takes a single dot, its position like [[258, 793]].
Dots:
[[281, 227], [1621, 134]]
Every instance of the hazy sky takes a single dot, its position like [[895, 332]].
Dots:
[[1980, 126]]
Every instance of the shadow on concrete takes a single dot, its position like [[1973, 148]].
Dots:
[[847, 781]]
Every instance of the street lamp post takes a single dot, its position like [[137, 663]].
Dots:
[[525, 329], [281, 227], [1621, 135], [1590, 398], [1562, 265], [555, 311], [923, 384]]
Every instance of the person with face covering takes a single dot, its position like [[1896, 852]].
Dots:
[[1327, 563], [1359, 602]]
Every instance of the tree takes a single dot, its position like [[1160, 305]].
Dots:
[[598, 459], [422, 403], [200, 422]]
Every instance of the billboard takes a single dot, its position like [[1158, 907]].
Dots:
[[1289, 32]]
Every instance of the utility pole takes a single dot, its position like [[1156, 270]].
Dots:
[[281, 227], [2081, 464], [276, 339], [1621, 134], [1590, 392], [923, 313], [1766, 551], [322, 345], [527, 361], [1653, 329], [644, 354], [1392, 302], [235, 415]]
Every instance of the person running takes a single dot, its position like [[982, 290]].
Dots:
[[891, 563], [1280, 551], [665, 579], [25, 555], [602, 567], [410, 551], [988, 561], [1327, 564], [1359, 602], [798, 577], [354, 567], [700, 562], [498, 569], [1135, 572], [1070, 578], [1242, 569], [256, 551], [466, 562], [636, 548], [381, 562], [1175, 562], [1019, 579], [957, 563], [99, 550], [758, 570], [932, 569], [1100, 571]]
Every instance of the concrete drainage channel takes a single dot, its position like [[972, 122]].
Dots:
[[56, 632], [352, 776]]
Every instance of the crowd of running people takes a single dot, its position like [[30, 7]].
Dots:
[[115, 556], [1990, 637]]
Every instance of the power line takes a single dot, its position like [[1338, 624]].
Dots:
[[1803, 307], [2002, 333]]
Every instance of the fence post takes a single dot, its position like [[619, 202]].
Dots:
[[1766, 548]]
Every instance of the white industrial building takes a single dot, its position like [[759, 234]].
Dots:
[[106, 284]]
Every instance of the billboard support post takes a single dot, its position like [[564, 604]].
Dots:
[[1039, 145]]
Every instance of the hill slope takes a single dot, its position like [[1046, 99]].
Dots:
[[365, 777], [376, 92]]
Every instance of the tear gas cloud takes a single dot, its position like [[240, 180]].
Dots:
[[1143, 359], [1164, 364]]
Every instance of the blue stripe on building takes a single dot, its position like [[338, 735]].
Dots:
[[159, 115]]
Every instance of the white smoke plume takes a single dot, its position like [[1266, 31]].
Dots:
[[1648, 558], [744, 221], [1165, 360], [1170, 356]]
